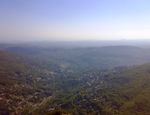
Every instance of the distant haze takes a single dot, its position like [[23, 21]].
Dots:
[[74, 20], [77, 44]]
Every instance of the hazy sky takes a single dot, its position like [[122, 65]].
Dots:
[[74, 19]]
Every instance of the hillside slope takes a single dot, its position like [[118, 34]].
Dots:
[[19, 84]]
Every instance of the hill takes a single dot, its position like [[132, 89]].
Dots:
[[84, 81], [19, 84], [86, 58]]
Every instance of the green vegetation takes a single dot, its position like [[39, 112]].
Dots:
[[70, 82]]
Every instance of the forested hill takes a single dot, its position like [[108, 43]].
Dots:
[[87, 58]]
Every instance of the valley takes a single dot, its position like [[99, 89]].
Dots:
[[74, 81]]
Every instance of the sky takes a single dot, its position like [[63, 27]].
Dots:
[[67, 20]]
